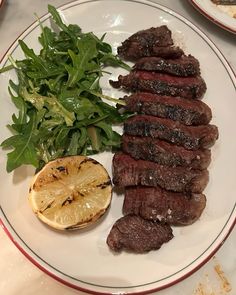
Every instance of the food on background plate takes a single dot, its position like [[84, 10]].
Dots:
[[227, 6], [71, 192], [224, 2]]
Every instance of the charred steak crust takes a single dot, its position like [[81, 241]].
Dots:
[[130, 172], [162, 84], [142, 42], [164, 153], [188, 112], [154, 203], [138, 235], [132, 51], [184, 66], [160, 36], [190, 137]]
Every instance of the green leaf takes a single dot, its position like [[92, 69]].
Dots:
[[22, 107], [39, 63], [83, 138], [47, 38], [62, 136], [110, 60], [94, 135], [73, 145], [57, 19], [83, 107], [81, 62], [106, 127], [24, 151], [114, 142]]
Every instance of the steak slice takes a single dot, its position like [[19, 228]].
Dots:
[[138, 235], [129, 172], [160, 36], [162, 84], [188, 112], [183, 66], [142, 42], [164, 153], [154, 203], [190, 137], [132, 51]]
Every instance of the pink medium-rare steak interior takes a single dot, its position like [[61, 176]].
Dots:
[[188, 112]]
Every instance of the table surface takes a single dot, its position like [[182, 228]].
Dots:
[[20, 276]]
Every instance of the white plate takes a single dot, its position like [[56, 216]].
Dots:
[[217, 14], [82, 259]]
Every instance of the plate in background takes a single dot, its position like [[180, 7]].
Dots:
[[215, 14]]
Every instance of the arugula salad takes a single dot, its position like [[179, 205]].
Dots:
[[61, 108]]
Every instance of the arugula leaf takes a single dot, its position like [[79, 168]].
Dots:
[[110, 59], [39, 63], [73, 145], [94, 134], [23, 146], [56, 17]]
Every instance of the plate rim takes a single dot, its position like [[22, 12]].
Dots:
[[211, 18], [232, 76]]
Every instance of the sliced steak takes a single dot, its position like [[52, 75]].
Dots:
[[142, 42], [160, 36], [184, 66], [164, 153], [188, 112], [138, 235], [132, 51], [129, 172], [190, 137], [154, 203], [162, 84]]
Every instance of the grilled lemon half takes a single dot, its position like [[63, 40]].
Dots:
[[71, 192]]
